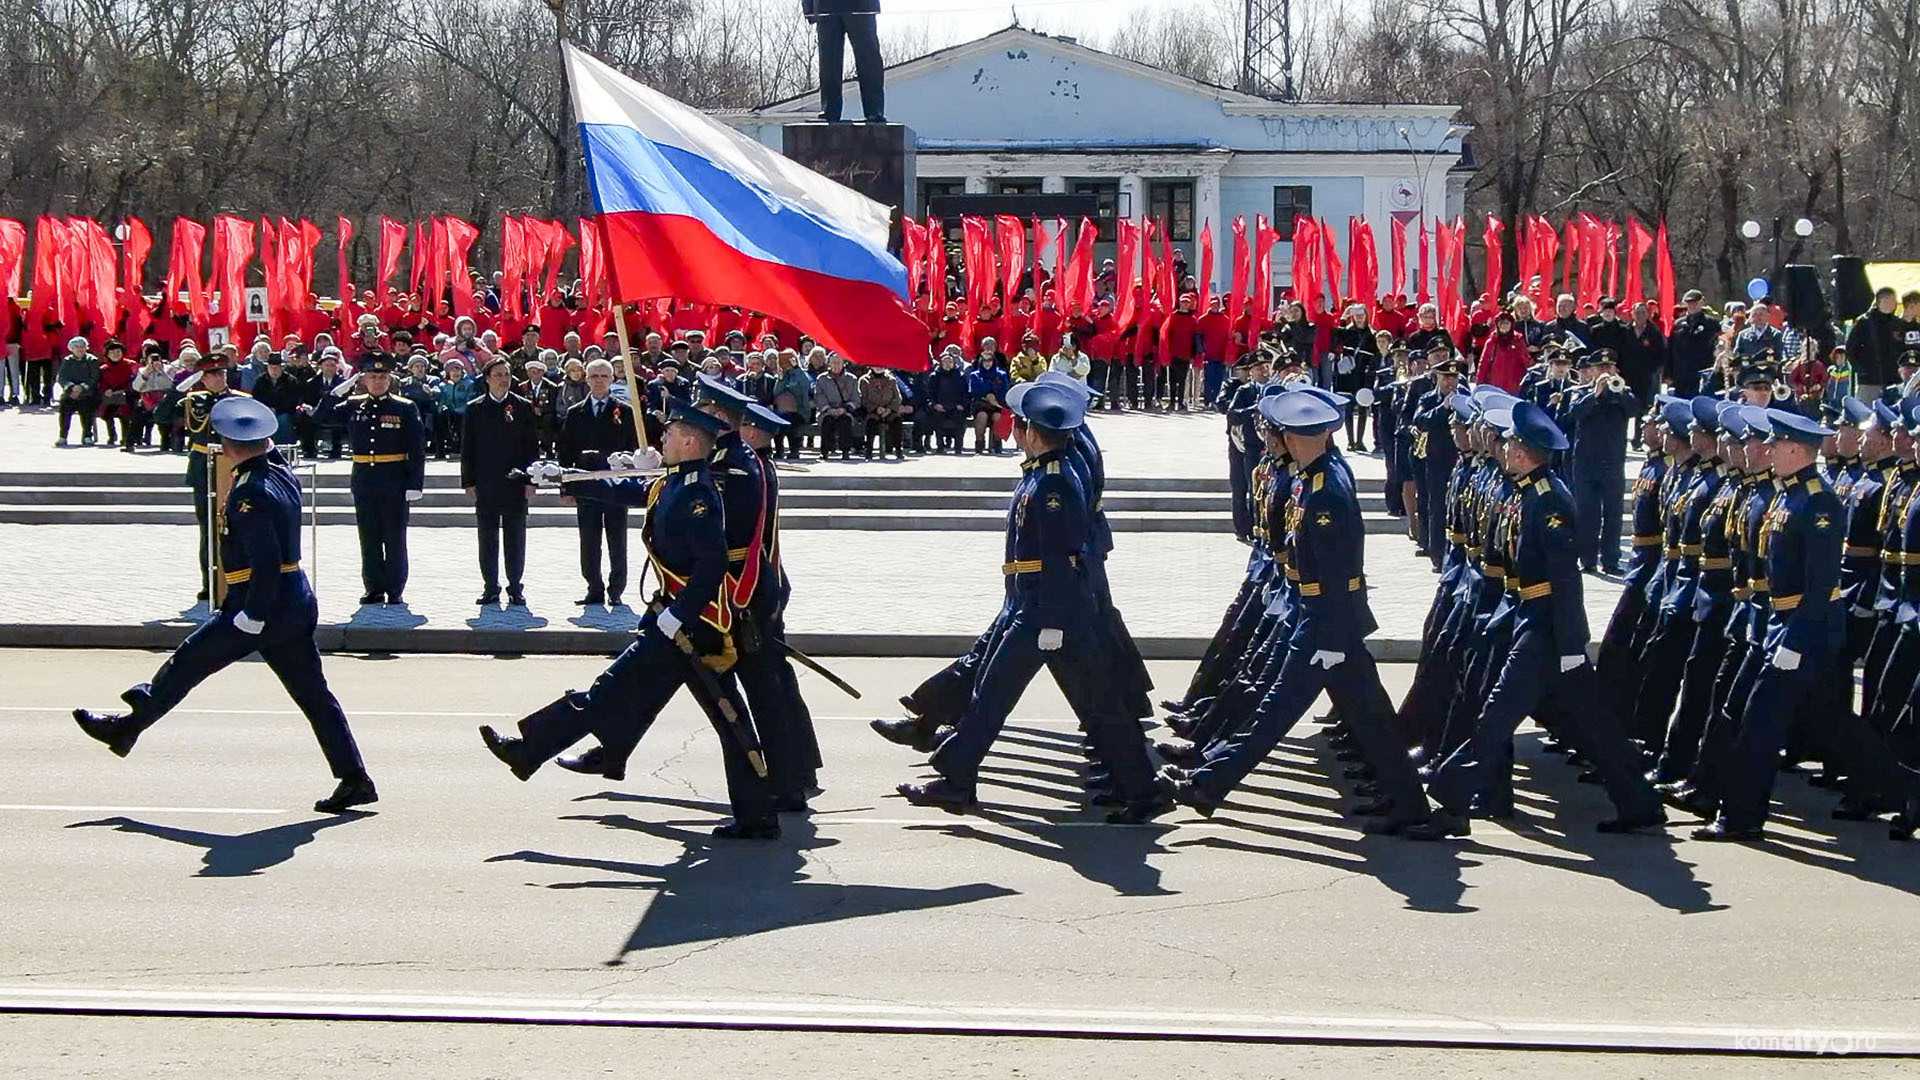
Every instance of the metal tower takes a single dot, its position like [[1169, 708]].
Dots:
[[1266, 65]]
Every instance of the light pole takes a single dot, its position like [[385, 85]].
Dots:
[[1751, 229], [1425, 172]]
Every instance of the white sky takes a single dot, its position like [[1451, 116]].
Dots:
[[951, 21]]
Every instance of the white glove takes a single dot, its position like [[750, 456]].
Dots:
[[648, 459], [545, 472], [1786, 659], [1328, 660], [1568, 663], [247, 624], [620, 459], [1863, 611], [346, 386], [1051, 640], [414, 496], [667, 623]]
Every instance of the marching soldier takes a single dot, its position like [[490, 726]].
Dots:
[[1434, 452], [196, 410], [1243, 443], [683, 638], [388, 441], [269, 609], [596, 427]]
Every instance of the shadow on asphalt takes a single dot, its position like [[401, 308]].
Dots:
[[233, 854], [719, 889]]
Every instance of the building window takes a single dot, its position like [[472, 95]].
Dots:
[[1289, 202], [1107, 195], [1172, 202], [1016, 187]]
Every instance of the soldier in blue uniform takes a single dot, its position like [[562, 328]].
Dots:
[[689, 622], [1599, 412], [1798, 556], [388, 439], [269, 609], [1243, 442], [1325, 645], [596, 427], [1053, 622], [1546, 662], [1434, 453], [1643, 556]]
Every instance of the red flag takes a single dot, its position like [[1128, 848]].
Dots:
[[232, 249], [1364, 259], [310, 235], [559, 240], [183, 271], [1397, 260], [1543, 263], [343, 235], [1059, 264], [937, 264], [1421, 290], [513, 266], [913, 241], [52, 301], [1455, 273], [270, 269], [13, 255], [1013, 255], [976, 254], [422, 259], [1639, 243], [1446, 244], [1165, 287], [1206, 269], [1306, 270], [1610, 235], [1080, 270], [98, 291], [393, 240], [1332, 278], [139, 244], [1592, 259], [593, 262], [1242, 273], [1494, 237], [1570, 252], [1264, 237], [1150, 313], [1126, 259], [460, 237], [1663, 277]]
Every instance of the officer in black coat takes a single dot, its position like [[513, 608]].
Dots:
[[1690, 349], [855, 21], [269, 609], [389, 446], [594, 428], [497, 443]]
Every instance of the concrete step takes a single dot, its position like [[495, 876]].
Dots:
[[443, 475]]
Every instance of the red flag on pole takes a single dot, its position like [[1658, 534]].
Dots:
[[1264, 237], [1082, 269], [1610, 235], [1205, 279], [977, 262], [460, 236], [1363, 257], [13, 255], [183, 271], [1013, 256], [1639, 243], [1242, 274], [1165, 287], [1548, 241], [1059, 265], [393, 240], [1663, 277], [1306, 265], [139, 244], [513, 266], [912, 252], [590, 261], [1127, 261], [343, 248], [232, 249], [1422, 293], [937, 264], [1332, 278], [1570, 252], [1494, 237], [1397, 236]]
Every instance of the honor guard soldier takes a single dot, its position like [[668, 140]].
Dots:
[[196, 411], [497, 443], [1324, 649], [1643, 556], [1053, 622], [269, 609], [387, 438], [596, 427], [1546, 662], [683, 638]]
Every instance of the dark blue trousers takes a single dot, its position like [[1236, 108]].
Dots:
[[380, 515], [1599, 489], [288, 648], [597, 521]]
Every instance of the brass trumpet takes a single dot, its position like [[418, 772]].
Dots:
[[1614, 383]]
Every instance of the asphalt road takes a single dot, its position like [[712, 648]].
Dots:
[[191, 878]]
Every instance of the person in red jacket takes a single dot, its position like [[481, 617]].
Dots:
[[1394, 316], [1216, 339], [115, 394], [1177, 338], [1504, 358]]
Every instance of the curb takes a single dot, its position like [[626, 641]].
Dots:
[[338, 638]]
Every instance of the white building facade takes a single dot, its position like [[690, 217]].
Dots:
[[1019, 113]]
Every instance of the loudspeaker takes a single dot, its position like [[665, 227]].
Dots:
[[1852, 292], [1806, 305]]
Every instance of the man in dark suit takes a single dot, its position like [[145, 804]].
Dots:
[[857, 22], [597, 426], [497, 443]]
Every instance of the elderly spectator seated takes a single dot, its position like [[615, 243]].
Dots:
[[793, 400], [987, 390], [880, 404], [836, 396], [948, 397], [77, 387]]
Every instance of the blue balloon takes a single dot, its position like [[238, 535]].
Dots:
[[1757, 289]]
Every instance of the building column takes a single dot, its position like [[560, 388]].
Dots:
[[976, 184], [1053, 185], [1135, 191], [1206, 210]]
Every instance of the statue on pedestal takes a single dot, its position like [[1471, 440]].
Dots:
[[853, 22]]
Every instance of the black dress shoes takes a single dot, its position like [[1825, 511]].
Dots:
[[1623, 825], [352, 792], [1441, 826], [942, 793], [1179, 751], [511, 751], [1141, 811], [1178, 785], [907, 731], [491, 596], [516, 598], [1378, 806], [117, 732], [758, 829], [1721, 832], [373, 598], [592, 762], [592, 599]]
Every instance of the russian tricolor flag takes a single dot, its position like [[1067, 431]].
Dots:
[[694, 210]]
